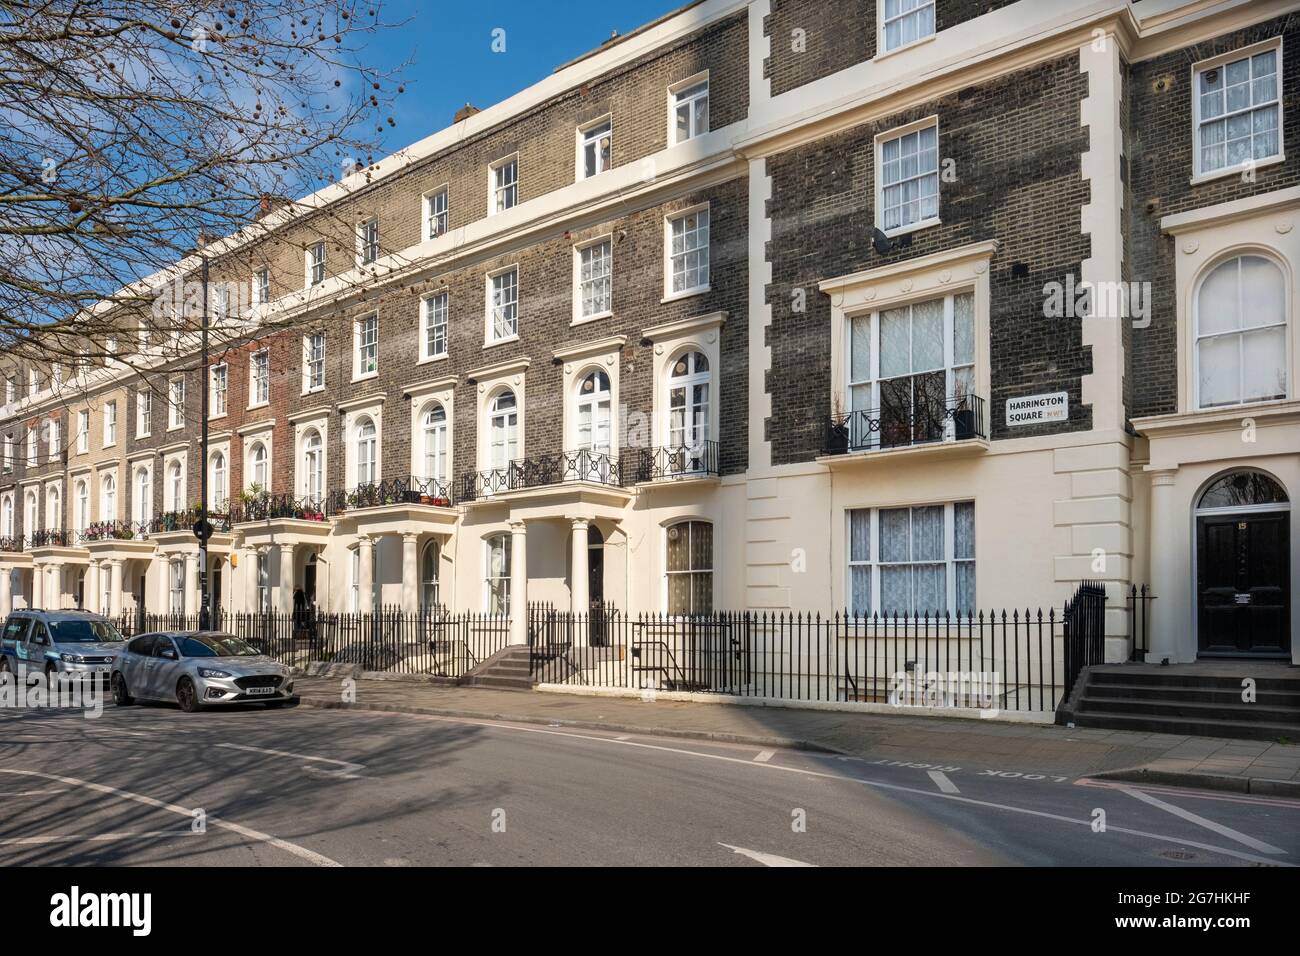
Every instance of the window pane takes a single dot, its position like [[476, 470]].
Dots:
[[895, 344], [1264, 364], [860, 589], [678, 548], [930, 589], [679, 594], [701, 546], [1220, 373], [927, 335], [1217, 306], [927, 533], [860, 362], [895, 534], [860, 534], [896, 589], [963, 529], [1263, 297], [963, 329], [965, 571], [701, 592]]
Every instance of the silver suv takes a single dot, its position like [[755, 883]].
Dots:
[[75, 643]]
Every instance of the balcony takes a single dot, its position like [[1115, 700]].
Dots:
[[542, 471], [667, 463], [114, 531], [48, 538], [172, 521], [928, 423], [13, 545], [264, 507], [407, 490]]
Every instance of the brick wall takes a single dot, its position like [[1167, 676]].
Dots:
[[1016, 145]]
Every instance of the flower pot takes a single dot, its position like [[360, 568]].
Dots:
[[963, 421]]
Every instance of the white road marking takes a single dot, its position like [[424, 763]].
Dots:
[[942, 782], [763, 757], [300, 851], [347, 770], [523, 728], [1218, 796], [32, 793], [91, 837], [1200, 821], [767, 859]]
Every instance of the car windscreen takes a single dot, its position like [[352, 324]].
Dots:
[[84, 632], [214, 645]]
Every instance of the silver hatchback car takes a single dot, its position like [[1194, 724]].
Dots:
[[196, 669]]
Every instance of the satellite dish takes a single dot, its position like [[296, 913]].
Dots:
[[881, 242]]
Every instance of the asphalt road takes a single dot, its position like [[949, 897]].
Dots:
[[150, 785]]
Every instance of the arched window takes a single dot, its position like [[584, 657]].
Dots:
[[593, 416], [31, 514], [429, 598], [176, 486], [498, 574], [313, 466], [688, 411], [220, 482], [689, 567], [435, 443], [257, 469], [53, 513], [1242, 489], [1241, 319], [83, 506], [108, 499], [367, 440], [503, 430], [7, 519], [143, 496]]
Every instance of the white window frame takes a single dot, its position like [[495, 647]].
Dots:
[[428, 312], [1199, 174], [688, 86], [259, 378], [368, 241], [83, 504], [366, 467], [882, 22], [174, 489], [1197, 337], [504, 577], [680, 216], [490, 337], [254, 465], [437, 223], [176, 404], [364, 352], [33, 447], [434, 443], [579, 297], [262, 286], [218, 390], [589, 136], [898, 133], [499, 193], [220, 491], [55, 439], [108, 497], [110, 424], [309, 361], [313, 465], [950, 560], [315, 264], [83, 431], [143, 413], [686, 521], [143, 495]]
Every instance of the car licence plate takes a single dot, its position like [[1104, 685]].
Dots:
[[102, 669], [259, 690]]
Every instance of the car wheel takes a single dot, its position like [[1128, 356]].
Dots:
[[120, 696], [187, 696]]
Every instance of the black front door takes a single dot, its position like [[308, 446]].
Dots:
[[1243, 585]]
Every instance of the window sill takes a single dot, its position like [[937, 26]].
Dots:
[[489, 343], [257, 405], [588, 319], [430, 359], [107, 445], [685, 294], [914, 227], [1202, 178], [175, 428], [904, 48], [217, 417], [364, 377], [313, 390]]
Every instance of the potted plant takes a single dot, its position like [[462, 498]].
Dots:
[[963, 415], [837, 433]]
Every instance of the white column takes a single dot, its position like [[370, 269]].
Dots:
[[115, 589], [518, 583], [579, 595], [161, 584], [286, 578], [1170, 570], [6, 590], [38, 585], [410, 573], [92, 588], [191, 583], [54, 587], [366, 584]]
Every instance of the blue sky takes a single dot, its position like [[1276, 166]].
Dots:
[[450, 46]]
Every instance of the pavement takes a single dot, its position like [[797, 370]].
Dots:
[[1243, 766]]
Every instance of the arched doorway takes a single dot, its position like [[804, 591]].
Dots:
[[596, 584], [1243, 578]]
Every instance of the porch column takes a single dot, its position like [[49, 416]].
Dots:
[[54, 587], [161, 584], [115, 589], [286, 578], [191, 583], [92, 588], [1170, 564], [518, 583], [38, 585], [366, 579], [579, 591], [6, 590], [410, 573]]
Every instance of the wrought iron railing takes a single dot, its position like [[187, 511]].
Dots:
[[670, 462], [12, 544], [924, 421], [406, 490], [52, 538], [540, 471], [184, 521], [114, 531], [265, 507]]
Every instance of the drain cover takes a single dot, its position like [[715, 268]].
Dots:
[[1176, 854]]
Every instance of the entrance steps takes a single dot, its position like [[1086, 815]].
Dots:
[[1202, 700], [507, 669]]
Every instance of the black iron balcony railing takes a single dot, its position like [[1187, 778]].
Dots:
[[56, 538], [670, 462], [923, 422], [540, 471], [114, 531], [12, 544], [406, 490], [184, 521], [264, 507]]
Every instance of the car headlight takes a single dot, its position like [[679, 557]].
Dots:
[[72, 658], [211, 672]]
